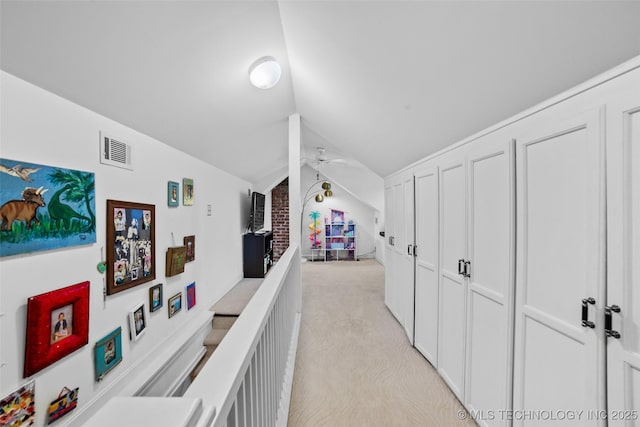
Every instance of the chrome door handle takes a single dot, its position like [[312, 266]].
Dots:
[[585, 312], [608, 329]]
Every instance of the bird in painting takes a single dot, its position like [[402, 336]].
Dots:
[[19, 172]]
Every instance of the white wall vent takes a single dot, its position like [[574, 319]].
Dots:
[[115, 152]]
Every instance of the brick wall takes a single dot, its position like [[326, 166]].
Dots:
[[280, 218]]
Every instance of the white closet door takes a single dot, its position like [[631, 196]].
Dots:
[[426, 304], [407, 260], [559, 364], [398, 244], [490, 170], [389, 206], [623, 268], [452, 292]]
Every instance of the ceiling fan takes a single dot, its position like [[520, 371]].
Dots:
[[322, 158]]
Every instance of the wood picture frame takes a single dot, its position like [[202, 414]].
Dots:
[[173, 194], [155, 297], [176, 258], [137, 321], [190, 244], [49, 341], [187, 192], [174, 305], [107, 353], [130, 245]]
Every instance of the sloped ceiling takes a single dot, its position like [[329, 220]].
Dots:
[[385, 83]]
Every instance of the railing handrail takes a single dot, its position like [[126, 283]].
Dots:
[[220, 378]]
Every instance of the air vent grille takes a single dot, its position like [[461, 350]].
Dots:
[[114, 152]]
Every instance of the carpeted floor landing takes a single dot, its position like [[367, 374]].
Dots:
[[355, 365]]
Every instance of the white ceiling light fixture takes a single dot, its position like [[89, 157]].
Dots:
[[265, 72]]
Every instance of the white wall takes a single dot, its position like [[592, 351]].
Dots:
[[361, 213], [40, 127]]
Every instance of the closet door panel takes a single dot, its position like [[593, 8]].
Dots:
[[452, 310], [389, 206], [408, 261], [491, 221], [557, 200], [487, 358], [451, 339], [426, 304], [623, 268], [490, 303], [398, 248], [560, 206]]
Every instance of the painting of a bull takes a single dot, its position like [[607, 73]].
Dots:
[[22, 210], [44, 207]]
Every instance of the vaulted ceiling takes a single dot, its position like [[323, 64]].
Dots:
[[381, 82]]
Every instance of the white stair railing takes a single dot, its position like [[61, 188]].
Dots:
[[248, 378]]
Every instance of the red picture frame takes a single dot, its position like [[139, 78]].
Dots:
[[43, 345]]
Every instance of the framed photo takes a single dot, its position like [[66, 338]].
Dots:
[[108, 353], [130, 245], [175, 304], [137, 321], [173, 194], [191, 295], [187, 192], [190, 243], [57, 325], [155, 297], [66, 402], [19, 407]]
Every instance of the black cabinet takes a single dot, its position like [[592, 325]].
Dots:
[[257, 253]]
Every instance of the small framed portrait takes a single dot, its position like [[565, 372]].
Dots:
[[61, 323], [155, 297], [57, 325], [175, 304], [108, 353], [190, 244], [173, 194], [187, 191], [137, 321], [191, 295]]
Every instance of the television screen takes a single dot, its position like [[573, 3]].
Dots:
[[257, 212]]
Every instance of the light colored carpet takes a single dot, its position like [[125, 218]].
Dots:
[[354, 364], [234, 301]]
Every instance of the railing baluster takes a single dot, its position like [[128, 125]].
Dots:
[[254, 390]]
